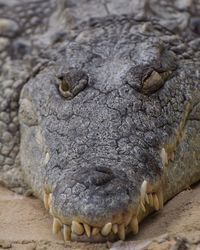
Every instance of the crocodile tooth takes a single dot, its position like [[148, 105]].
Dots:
[[155, 202], [56, 226], [134, 225], [67, 232], [95, 231], [143, 190], [50, 200], [106, 229], [87, 229], [150, 200], [77, 228], [121, 232], [147, 198], [115, 228], [164, 157], [46, 198], [142, 206]]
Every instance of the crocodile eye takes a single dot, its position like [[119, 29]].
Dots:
[[147, 80], [64, 88], [154, 81], [71, 83]]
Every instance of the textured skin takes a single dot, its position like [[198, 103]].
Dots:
[[94, 148]]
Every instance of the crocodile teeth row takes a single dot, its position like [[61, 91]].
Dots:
[[151, 199], [81, 228], [154, 200]]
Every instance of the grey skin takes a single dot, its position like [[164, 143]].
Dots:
[[109, 111]]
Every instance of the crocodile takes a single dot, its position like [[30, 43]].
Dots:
[[99, 109]]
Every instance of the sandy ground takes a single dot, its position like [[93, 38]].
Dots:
[[24, 224]]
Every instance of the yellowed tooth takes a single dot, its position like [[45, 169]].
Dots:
[[143, 190], [87, 229], [147, 199], [51, 211], [134, 225], [150, 200], [128, 218], [155, 202], [121, 232], [95, 231], [106, 229], [46, 198], [164, 157], [77, 228], [50, 200], [67, 232], [142, 207], [115, 228], [56, 226]]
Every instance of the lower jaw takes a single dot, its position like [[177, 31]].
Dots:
[[79, 230]]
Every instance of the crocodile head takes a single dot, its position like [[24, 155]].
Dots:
[[106, 129]]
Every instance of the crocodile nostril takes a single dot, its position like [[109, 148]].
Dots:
[[101, 176]]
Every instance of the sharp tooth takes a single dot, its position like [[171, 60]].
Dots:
[[56, 226], [51, 211], [164, 157], [128, 219], [46, 198], [95, 231], [106, 229], [77, 228], [155, 202], [143, 190], [160, 198], [134, 225], [150, 200], [67, 232], [143, 207], [146, 198], [50, 200], [121, 232], [87, 229], [115, 228]]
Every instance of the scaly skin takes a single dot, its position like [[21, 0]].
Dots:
[[109, 126]]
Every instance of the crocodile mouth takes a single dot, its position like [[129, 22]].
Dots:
[[151, 197], [119, 225]]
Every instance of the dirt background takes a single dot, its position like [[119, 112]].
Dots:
[[25, 225]]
